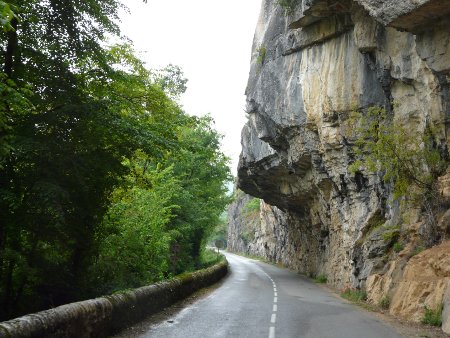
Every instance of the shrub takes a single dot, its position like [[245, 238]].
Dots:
[[397, 247], [385, 302], [252, 206], [209, 258], [354, 295], [391, 234], [433, 317], [321, 279]]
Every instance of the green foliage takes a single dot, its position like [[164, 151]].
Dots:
[[433, 317], [391, 234], [7, 14], [252, 206], [417, 250], [385, 302], [288, 6], [105, 183], [209, 258], [403, 158], [321, 279], [354, 295], [261, 55], [220, 232], [172, 80], [133, 241], [397, 247]]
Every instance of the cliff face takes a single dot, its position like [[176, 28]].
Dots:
[[313, 64]]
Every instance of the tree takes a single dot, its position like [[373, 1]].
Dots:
[[96, 155]]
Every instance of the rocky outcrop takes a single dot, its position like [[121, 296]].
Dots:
[[424, 282], [313, 64]]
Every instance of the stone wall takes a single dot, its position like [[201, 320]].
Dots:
[[103, 316], [312, 66]]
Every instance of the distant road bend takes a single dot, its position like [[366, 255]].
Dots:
[[261, 300]]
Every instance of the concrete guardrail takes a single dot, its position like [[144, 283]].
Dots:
[[101, 317]]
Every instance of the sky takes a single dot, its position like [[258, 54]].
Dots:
[[211, 41]]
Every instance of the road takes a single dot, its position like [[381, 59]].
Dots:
[[261, 300]]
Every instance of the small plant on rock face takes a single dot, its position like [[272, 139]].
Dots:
[[397, 247], [391, 234], [385, 302], [433, 317], [321, 279], [262, 51], [417, 250], [288, 6]]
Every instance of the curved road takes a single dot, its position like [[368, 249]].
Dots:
[[261, 300]]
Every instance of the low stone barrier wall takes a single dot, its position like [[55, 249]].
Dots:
[[101, 317]]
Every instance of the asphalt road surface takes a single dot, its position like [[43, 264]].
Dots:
[[261, 300]]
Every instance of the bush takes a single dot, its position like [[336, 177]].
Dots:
[[433, 317], [397, 247], [209, 258], [385, 302], [321, 279], [354, 295], [252, 206]]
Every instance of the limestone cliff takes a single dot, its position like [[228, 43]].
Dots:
[[314, 62]]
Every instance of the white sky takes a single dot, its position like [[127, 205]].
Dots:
[[211, 41]]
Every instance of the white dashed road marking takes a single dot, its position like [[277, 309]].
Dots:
[[273, 318], [272, 332]]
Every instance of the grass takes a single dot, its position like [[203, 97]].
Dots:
[[321, 279], [433, 317], [354, 295], [359, 298]]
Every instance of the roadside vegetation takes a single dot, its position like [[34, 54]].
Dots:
[[321, 279], [433, 316], [105, 183]]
